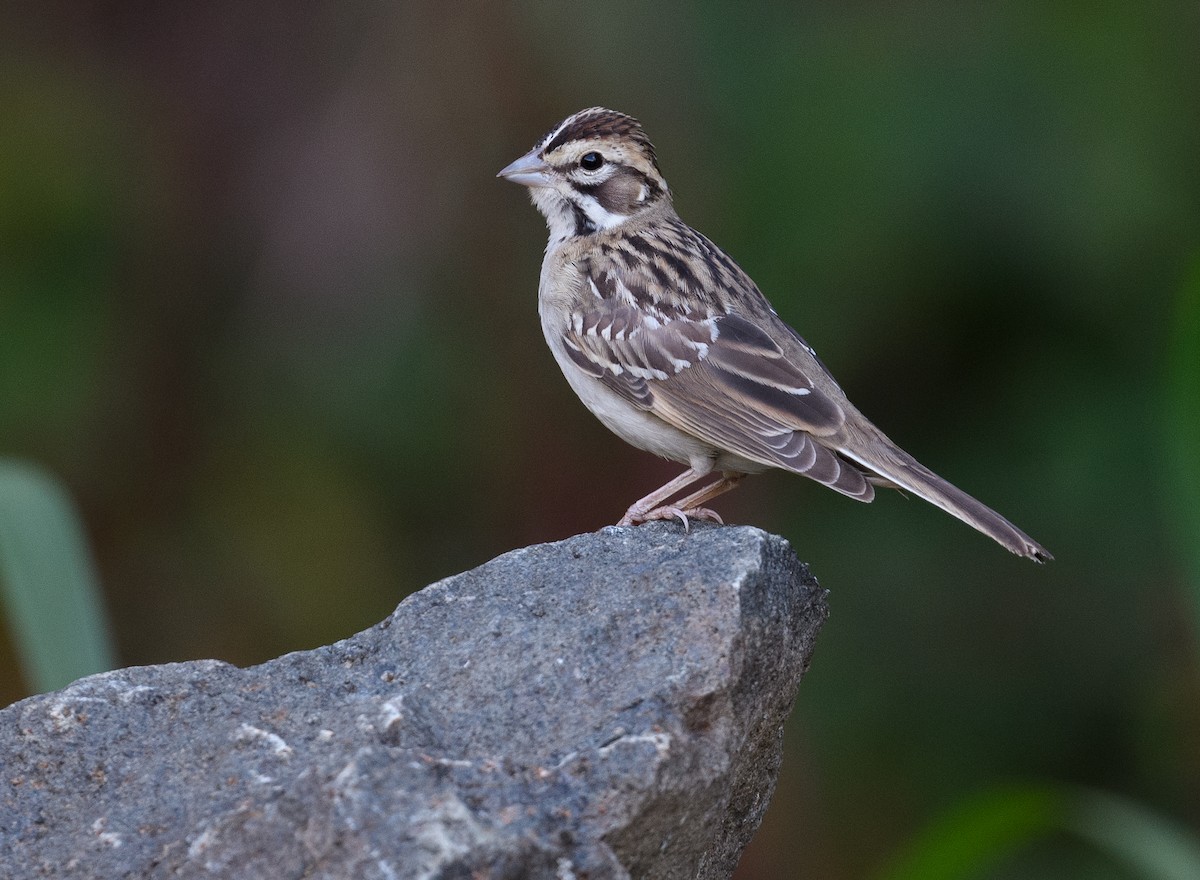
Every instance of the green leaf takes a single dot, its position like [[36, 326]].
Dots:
[[1155, 847], [48, 581], [980, 834], [1182, 426]]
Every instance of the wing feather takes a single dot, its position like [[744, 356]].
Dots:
[[719, 377]]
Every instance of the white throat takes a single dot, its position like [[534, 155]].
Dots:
[[563, 215], [601, 217]]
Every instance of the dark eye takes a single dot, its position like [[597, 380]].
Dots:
[[591, 161]]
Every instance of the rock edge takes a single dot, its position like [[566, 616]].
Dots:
[[611, 705]]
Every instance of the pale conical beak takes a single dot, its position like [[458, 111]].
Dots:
[[529, 170]]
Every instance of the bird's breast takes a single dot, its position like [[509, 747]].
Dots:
[[559, 294]]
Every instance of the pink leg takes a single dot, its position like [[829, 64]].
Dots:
[[638, 510], [647, 508], [690, 506]]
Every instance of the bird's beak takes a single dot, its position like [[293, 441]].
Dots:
[[529, 170]]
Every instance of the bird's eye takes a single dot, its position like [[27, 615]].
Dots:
[[591, 161]]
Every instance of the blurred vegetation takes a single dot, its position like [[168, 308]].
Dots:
[[267, 314], [48, 584], [981, 833], [1183, 425], [997, 827]]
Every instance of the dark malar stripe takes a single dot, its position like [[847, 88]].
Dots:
[[583, 225]]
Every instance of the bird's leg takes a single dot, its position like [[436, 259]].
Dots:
[[645, 509], [691, 505]]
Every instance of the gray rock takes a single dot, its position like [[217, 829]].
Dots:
[[611, 705]]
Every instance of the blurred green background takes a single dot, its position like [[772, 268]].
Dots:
[[269, 317]]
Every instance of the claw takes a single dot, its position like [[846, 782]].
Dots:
[[685, 516], [660, 513]]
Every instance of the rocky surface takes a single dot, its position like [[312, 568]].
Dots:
[[606, 706]]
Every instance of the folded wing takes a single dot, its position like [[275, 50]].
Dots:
[[720, 378]]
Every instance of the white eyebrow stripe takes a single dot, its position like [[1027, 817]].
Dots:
[[550, 137]]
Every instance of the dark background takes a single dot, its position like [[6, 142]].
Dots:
[[268, 314]]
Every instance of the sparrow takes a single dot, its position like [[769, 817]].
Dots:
[[674, 348]]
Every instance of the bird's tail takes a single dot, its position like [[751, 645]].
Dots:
[[896, 467]]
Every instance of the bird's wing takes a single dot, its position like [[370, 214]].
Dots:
[[719, 377]]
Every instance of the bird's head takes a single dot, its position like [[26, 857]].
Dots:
[[592, 172]]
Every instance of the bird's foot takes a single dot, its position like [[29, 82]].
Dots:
[[633, 518]]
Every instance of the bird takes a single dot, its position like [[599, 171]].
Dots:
[[676, 350]]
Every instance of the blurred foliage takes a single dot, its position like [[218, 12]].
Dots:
[[981, 835], [48, 582], [1183, 425], [267, 313]]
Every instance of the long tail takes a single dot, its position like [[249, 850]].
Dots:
[[897, 467]]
